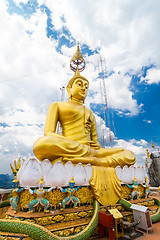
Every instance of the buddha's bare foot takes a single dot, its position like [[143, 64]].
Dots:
[[104, 152], [105, 162]]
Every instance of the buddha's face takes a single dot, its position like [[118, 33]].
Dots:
[[79, 89]]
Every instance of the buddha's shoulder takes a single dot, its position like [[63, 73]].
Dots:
[[88, 110], [68, 104], [58, 104]]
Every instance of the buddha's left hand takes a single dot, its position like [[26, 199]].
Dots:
[[95, 145]]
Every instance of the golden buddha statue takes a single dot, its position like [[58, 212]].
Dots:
[[79, 141]]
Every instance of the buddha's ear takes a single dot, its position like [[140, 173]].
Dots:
[[69, 92]]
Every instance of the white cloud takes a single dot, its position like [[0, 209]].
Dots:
[[152, 76], [125, 31], [128, 39], [104, 135], [17, 2], [138, 147], [17, 141], [31, 77], [147, 121]]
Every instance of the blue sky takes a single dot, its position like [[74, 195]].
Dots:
[[38, 39]]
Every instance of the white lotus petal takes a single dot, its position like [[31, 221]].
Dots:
[[32, 173], [118, 170], [143, 174], [57, 175], [125, 174], [139, 174], [46, 166], [69, 167], [131, 171], [20, 172], [88, 172], [79, 174]]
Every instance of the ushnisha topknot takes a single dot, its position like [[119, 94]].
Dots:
[[76, 75]]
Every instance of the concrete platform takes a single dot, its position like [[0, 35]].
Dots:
[[150, 236]]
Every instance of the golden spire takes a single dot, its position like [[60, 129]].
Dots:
[[152, 145], [77, 61], [72, 180], [14, 171], [19, 163], [148, 154], [41, 181], [77, 74], [135, 179], [17, 166], [15, 179]]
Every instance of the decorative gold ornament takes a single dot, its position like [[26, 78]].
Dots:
[[41, 181], [126, 192], [58, 218], [72, 180], [14, 171], [71, 216], [17, 167], [141, 189], [135, 179], [152, 145], [77, 61], [148, 154], [44, 221], [84, 195], [25, 198], [15, 179], [78, 229]]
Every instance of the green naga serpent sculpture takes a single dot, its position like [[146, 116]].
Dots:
[[38, 232]]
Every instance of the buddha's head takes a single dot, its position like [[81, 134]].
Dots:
[[77, 87]]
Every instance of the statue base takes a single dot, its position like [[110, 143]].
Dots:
[[61, 222], [70, 221]]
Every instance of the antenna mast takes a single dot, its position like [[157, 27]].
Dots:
[[58, 129], [62, 93], [106, 102]]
